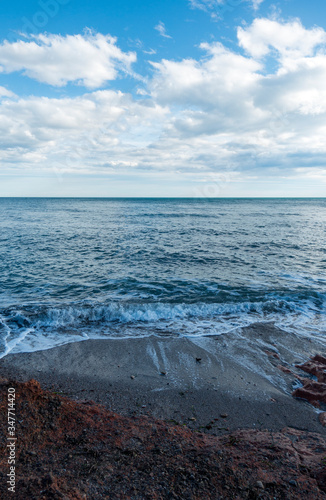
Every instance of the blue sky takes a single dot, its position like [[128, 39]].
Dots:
[[138, 98]]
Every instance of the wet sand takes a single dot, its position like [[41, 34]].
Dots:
[[213, 383]]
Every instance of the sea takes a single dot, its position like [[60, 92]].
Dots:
[[73, 269]]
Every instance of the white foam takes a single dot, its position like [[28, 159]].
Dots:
[[10, 345], [50, 326]]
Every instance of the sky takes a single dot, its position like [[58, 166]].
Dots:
[[189, 98]]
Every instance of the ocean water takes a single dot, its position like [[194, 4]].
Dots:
[[73, 269]]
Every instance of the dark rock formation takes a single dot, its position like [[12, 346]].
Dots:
[[70, 450], [313, 391]]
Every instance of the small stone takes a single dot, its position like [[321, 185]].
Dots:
[[198, 360], [224, 415], [193, 419], [272, 354], [163, 373], [292, 482], [284, 369], [260, 485], [132, 377]]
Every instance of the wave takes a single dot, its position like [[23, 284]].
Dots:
[[84, 314], [40, 326]]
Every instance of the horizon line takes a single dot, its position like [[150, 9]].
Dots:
[[166, 197]]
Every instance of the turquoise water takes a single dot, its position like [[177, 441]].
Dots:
[[74, 269]]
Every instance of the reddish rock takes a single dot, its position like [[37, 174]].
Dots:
[[285, 369], [272, 354], [319, 359], [315, 367], [311, 390], [77, 451]]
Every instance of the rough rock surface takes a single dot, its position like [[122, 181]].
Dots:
[[70, 450], [313, 391]]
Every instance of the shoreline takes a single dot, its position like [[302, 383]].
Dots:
[[208, 383]]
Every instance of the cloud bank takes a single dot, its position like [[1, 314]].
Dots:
[[255, 112]]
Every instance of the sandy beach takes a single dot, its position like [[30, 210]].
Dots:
[[165, 417], [189, 381]]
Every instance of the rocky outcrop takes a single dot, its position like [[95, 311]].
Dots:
[[70, 450], [313, 391]]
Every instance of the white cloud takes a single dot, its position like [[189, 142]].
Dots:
[[90, 132], [211, 90], [225, 111], [150, 52], [218, 7], [289, 39], [206, 4], [90, 59], [240, 113], [6, 93], [256, 4], [160, 27]]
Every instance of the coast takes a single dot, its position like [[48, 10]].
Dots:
[[217, 383], [161, 418]]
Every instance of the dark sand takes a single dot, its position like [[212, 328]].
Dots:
[[237, 376]]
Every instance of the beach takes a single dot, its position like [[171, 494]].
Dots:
[[200, 382], [163, 418], [156, 347]]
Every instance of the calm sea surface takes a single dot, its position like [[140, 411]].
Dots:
[[72, 269]]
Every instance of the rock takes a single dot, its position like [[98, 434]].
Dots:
[[284, 369], [132, 377], [319, 359], [312, 392], [115, 456], [322, 418], [198, 360], [315, 367], [224, 415], [272, 354]]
